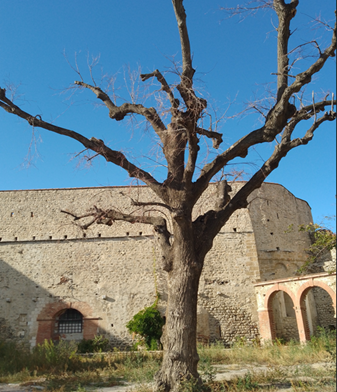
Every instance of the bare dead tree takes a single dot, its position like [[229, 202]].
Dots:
[[186, 244]]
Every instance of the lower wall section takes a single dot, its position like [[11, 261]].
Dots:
[[109, 280]]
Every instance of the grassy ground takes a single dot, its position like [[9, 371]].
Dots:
[[59, 368]]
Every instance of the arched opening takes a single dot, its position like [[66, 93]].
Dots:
[[68, 325], [283, 316], [318, 308]]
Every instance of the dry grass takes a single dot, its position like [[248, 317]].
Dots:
[[319, 349], [60, 369]]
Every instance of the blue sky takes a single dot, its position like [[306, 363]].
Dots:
[[40, 40]]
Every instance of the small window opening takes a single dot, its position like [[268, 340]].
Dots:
[[99, 235], [140, 233], [127, 233], [33, 237], [65, 237], [277, 248], [50, 237], [84, 235], [271, 233], [0, 239], [15, 238], [71, 321], [235, 230], [32, 214], [268, 220], [12, 214]]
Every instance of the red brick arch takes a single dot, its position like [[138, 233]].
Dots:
[[275, 289], [46, 320], [303, 290]]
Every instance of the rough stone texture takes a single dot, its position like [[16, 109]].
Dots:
[[48, 264], [324, 307]]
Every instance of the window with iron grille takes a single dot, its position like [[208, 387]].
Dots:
[[71, 321]]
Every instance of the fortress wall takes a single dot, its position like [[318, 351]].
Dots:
[[226, 287], [37, 274], [45, 259], [281, 251]]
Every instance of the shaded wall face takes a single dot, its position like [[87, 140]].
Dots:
[[324, 308], [37, 274], [18, 302]]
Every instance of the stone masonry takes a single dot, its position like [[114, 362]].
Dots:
[[48, 264]]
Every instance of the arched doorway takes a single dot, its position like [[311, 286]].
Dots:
[[283, 316]]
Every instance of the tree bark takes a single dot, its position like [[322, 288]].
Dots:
[[180, 332]]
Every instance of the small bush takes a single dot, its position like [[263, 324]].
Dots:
[[96, 345], [148, 323]]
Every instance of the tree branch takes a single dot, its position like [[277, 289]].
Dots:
[[118, 113], [217, 137], [212, 221], [164, 86], [305, 77], [285, 13], [96, 145], [108, 217], [193, 149], [276, 120], [180, 13], [150, 204]]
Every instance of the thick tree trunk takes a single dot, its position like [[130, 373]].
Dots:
[[180, 333]]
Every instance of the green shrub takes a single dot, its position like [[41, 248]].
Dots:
[[148, 323], [96, 345]]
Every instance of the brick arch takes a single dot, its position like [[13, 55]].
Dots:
[[266, 317], [46, 320], [300, 296], [303, 290], [275, 289]]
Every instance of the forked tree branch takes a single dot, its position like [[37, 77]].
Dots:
[[118, 113], [276, 120], [96, 145], [305, 77], [212, 221], [164, 86]]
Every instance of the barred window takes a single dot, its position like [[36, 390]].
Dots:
[[71, 321]]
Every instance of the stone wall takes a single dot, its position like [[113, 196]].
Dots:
[[47, 263], [324, 307]]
